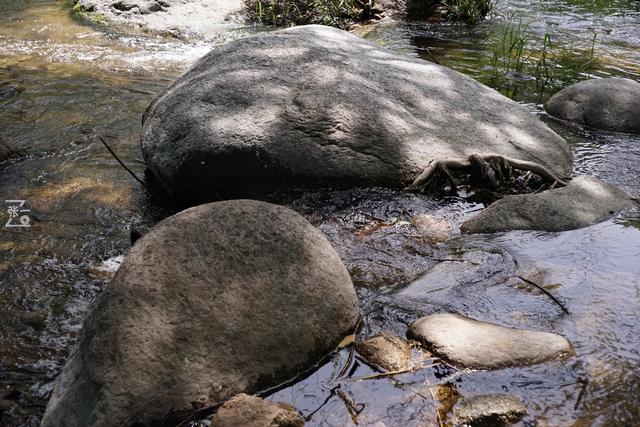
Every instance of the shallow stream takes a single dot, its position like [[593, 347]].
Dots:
[[62, 81]]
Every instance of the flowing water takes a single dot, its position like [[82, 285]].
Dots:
[[62, 81]]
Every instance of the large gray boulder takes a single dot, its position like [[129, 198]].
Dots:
[[315, 105], [216, 300], [584, 201], [610, 104], [470, 343]]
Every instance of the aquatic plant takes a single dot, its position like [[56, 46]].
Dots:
[[335, 13], [508, 55], [467, 11], [552, 65]]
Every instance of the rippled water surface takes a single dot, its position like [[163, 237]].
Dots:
[[62, 82]]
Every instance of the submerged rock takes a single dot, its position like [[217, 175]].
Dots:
[[470, 343], [201, 18], [216, 300], [313, 105], [250, 411], [584, 201], [490, 410], [8, 151], [610, 104], [386, 351]]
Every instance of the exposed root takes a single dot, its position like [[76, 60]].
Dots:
[[491, 169]]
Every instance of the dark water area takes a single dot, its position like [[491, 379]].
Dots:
[[63, 81]]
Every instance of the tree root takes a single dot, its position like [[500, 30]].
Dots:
[[491, 169]]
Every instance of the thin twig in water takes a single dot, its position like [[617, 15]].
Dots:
[[392, 373], [353, 407], [585, 383], [432, 56], [546, 292], [331, 393], [433, 396], [347, 365], [115, 156]]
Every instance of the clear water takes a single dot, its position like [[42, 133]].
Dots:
[[61, 81]]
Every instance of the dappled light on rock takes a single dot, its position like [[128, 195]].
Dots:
[[312, 105]]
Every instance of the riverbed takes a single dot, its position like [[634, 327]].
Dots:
[[63, 80]]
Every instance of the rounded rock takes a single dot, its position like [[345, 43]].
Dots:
[[609, 104], [216, 300], [470, 343]]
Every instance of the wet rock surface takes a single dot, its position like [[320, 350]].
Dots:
[[7, 150], [584, 201], [219, 299], [490, 410], [385, 350], [470, 343], [609, 104], [185, 18], [250, 411], [312, 106]]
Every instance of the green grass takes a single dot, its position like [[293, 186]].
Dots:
[[78, 11], [335, 13], [551, 64], [467, 11]]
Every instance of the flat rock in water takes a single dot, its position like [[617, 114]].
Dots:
[[186, 18], [584, 201], [216, 300], [609, 104], [313, 106], [490, 410], [470, 343], [250, 411], [386, 351]]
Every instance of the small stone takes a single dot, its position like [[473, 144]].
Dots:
[[386, 351], [431, 227], [490, 410], [470, 343], [249, 411]]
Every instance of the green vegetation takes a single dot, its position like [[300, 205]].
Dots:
[[467, 11], [80, 12], [336, 13], [516, 57]]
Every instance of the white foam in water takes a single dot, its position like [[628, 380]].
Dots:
[[110, 265]]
